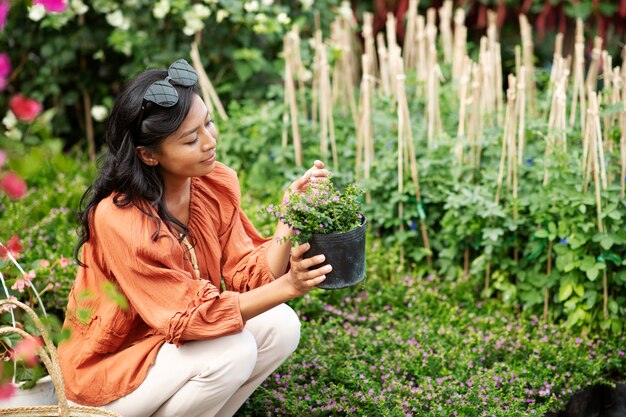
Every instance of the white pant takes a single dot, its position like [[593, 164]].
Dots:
[[214, 377]]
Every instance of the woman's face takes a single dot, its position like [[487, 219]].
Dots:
[[190, 150]]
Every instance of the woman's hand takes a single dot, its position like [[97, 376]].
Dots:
[[300, 278], [314, 175]]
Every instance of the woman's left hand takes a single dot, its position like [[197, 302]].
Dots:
[[314, 175]]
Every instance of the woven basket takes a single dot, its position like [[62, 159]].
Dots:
[[51, 361]]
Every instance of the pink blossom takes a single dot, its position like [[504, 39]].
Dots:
[[13, 245], [6, 390], [14, 186], [4, 11], [26, 350], [29, 275], [63, 262], [54, 6], [20, 285], [5, 65], [24, 108], [8, 307], [44, 263]]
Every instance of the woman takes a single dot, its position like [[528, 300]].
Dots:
[[177, 308]]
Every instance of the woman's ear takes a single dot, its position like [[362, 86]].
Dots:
[[147, 156]]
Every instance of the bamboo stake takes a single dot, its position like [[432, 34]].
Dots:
[[591, 83], [315, 85], [460, 43], [421, 45], [209, 94], [410, 54], [528, 57], [290, 93], [384, 64], [370, 44], [327, 127], [595, 145], [463, 101], [509, 130], [521, 94], [432, 103], [403, 108], [578, 76], [445, 28], [364, 128]]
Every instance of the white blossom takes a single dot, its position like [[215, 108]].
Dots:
[[36, 12], [161, 9], [9, 121], [118, 20], [307, 4], [267, 2], [283, 19], [193, 19], [99, 113], [79, 7], [261, 18], [221, 15], [345, 10], [251, 6]]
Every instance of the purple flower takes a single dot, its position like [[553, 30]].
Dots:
[[296, 231], [321, 225]]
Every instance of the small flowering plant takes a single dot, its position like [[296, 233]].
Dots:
[[321, 209]]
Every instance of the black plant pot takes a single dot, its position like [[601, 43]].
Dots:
[[345, 252]]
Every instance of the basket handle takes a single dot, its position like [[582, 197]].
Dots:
[[51, 362]]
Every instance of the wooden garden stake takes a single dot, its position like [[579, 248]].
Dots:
[[409, 51], [208, 91], [460, 41], [327, 125], [578, 77], [404, 122], [384, 64], [370, 44], [508, 132], [290, 97], [521, 95], [463, 101], [445, 28], [315, 84], [421, 45], [364, 127], [528, 56], [591, 82]]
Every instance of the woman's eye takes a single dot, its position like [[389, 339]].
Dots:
[[210, 122], [193, 141]]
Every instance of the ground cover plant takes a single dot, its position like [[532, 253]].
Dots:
[[420, 346]]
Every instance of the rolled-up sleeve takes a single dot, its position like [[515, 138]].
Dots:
[[152, 275]]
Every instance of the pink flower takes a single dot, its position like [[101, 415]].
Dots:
[[14, 186], [4, 11], [6, 390], [63, 262], [44, 263], [8, 307], [24, 108], [54, 6], [20, 284], [13, 245], [29, 275], [3, 158], [5, 65], [26, 350]]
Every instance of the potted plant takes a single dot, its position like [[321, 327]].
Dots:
[[23, 381], [332, 223]]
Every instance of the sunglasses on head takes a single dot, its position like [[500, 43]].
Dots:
[[163, 93]]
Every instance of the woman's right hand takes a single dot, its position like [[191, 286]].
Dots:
[[301, 279]]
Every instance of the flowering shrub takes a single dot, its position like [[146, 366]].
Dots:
[[320, 210], [422, 347]]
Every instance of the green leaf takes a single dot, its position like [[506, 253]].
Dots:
[[587, 263], [541, 233], [592, 273], [606, 242], [565, 292], [113, 294]]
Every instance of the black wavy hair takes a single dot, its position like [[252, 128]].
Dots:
[[122, 172]]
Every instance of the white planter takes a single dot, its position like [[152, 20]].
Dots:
[[41, 394]]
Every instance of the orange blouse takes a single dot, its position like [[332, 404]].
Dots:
[[111, 349]]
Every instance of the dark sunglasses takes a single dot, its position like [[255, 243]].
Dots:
[[163, 92]]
